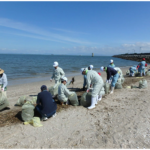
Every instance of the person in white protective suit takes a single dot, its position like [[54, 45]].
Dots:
[[3, 80], [63, 92], [94, 79], [90, 67], [57, 73]]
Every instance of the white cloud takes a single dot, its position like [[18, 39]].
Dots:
[[38, 31]]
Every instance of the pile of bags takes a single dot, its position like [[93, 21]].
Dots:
[[3, 100], [148, 73], [73, 99], [120, 80]]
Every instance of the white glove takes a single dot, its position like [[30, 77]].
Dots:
[[2, 89], [87, 90]]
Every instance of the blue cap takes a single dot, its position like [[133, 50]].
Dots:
[[43, 87]]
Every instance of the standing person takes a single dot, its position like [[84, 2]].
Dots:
[[63, 92], [112, 65], [3, 80], [111, 72], [84, 78], [90, 67], [142, 67], [46, 106], [57, 73], [93, 78]]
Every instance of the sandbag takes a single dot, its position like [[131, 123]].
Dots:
[[35, 121], [54, 90], [3, 97], [118, 84], [143, 84], [4, 105], [107, 87], [148, 73], [128, 72], [27, 111], [73, 99], [86, 99], [102, 92], [21, 100], [122, 80]]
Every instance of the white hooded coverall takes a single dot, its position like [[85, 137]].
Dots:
[[96, 80], [57, 74], [63, 93], [3, 80]]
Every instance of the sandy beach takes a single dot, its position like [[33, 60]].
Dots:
[[120, 120]]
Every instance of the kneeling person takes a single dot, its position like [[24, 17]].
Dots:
[[63, 92], [46, 106]]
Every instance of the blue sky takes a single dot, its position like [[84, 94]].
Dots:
[[77, 28]]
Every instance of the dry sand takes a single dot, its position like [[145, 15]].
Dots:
[[120, 120]]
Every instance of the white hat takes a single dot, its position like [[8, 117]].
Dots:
[[91, 66], [64, 79], [55, 64], [111, 61], [102, 68]]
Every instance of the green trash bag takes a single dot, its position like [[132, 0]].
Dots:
[[102, 92], [33, 99], [54, 90], [27, 111], [128, 72], [21, 100], [143, 84], [122, 80], [148, 73], [3, 97], [86, 99], [73, 99], [4, 105], [107, 87], [118, 84]]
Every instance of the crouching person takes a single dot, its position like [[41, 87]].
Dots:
[[63, 92], [46, 106], [132, 70], [94, 79]]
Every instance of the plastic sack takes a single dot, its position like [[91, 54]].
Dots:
[[118, 84], [3, 97], [143, 84], [35, 122], [148, 73], [21, 100], [86, 99], [119, 72], [54, 90], [27, 111], [107, 87], [73, 99], [128, 72], [122, 80], [33, 100], [102, 92]]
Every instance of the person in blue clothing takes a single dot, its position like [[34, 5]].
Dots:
[[111, 72], [142, 67], [112, 65], [132, 70], [46, 106]]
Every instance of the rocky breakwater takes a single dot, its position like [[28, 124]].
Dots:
[[135, 57]]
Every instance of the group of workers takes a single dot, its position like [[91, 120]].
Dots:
[[46, 106], [139, 68]]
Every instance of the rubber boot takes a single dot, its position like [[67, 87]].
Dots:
[[112, 90], [93, 101]]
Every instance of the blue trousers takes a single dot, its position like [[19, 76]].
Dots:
[[114, 80], [142, 71], [84, 84], [39, 108]]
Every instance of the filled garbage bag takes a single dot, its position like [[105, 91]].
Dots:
[[143, 84], [27, 111], [35, 121], [3, 97], [107, 88], [128, 72], [102, 92], [122, 80], [21, 100], [148, 73], [73, 99], [86, 99], [118, 84]]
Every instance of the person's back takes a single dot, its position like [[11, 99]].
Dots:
[[94, 77], [143, 64], [110, 72], [47, 102]]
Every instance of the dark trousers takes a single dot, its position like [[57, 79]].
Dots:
[[39, 108]]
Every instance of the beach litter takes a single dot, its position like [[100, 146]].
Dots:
[[35, 121]]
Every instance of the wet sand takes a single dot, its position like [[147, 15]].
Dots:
[[120, 120]]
